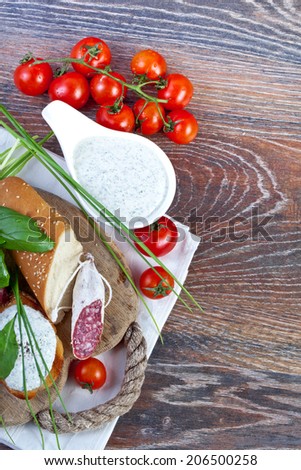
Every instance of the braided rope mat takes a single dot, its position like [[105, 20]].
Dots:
[[117, 406]]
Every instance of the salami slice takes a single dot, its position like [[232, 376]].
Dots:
[[87, 310], [87, 330]]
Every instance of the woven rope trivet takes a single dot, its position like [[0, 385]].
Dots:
[[117, 406]]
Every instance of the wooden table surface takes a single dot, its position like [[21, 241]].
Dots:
[[229, 378]]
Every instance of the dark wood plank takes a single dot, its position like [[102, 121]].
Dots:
[[228, 378]]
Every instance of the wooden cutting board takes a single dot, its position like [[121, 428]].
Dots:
[[119, 314]]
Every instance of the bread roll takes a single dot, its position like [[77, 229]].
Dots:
[[46, 273], [49, 344]]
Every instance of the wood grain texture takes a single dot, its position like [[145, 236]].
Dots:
[[228, 378]]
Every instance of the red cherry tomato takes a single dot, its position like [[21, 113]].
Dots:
[[94, 51], [184, 126], [178, 91], [90, 373], [33, 80], [123, 120], [105, 90], [160, 237], [149, 63], [148, 117], [72, 88], [155, 287]]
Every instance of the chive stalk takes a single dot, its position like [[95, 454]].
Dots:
[[42, 155], [14, 165], [109, 217], [2, 423], [41, 375], [15, 287], [9, 154], [49, 372], [34, 345]]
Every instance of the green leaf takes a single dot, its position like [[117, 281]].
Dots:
[[20, 232], [8, 349], [4, 274]]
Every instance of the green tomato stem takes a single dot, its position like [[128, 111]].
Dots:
[[165, 123], [136, 88]]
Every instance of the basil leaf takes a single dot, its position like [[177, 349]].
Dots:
[[20, 232], [8, 349], [4, 274]]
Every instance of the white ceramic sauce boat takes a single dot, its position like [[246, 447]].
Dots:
[[71, 127]]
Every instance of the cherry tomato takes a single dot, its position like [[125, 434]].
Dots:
[[122, 120], [72, 88], [105, 90], [33, 80], [178, 91], [149, 63], [153, 286], [94, 51], [148, 116], [160, 237], [184, 126], [90, 373]]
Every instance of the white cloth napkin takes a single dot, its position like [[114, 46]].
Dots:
[[178, 261]]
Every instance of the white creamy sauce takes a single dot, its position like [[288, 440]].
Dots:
[[126, 177], [46, 340]]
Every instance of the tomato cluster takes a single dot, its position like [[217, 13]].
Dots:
[[162, 108]]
